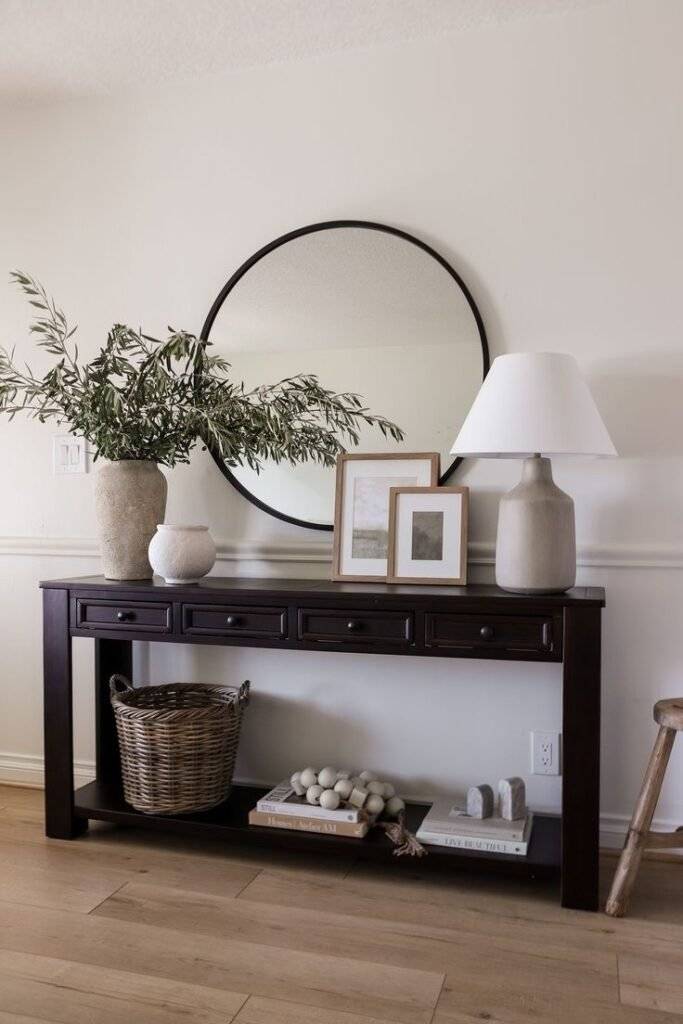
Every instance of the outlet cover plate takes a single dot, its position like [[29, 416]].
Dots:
[[68, 454], [546, 753]]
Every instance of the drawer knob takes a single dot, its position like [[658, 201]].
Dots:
[[125, 616], [232, 620], [487, 632], [353, 625]]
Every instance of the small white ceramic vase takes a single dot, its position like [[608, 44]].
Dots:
[[182, 554]]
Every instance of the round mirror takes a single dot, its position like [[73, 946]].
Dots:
[[368, 309]]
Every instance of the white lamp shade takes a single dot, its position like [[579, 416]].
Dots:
[[533, 402]]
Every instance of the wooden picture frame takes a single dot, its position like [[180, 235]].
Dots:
[[440, 539], [361, 535]]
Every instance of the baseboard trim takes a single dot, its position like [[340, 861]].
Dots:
[[27, 770], [609, 556]]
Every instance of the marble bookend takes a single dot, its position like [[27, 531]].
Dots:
[[511, 798], [479, 802]]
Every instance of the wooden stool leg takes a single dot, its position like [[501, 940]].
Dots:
[[636, 840]]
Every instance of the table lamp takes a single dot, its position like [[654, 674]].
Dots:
[[533, 405]]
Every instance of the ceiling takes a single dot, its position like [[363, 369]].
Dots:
[[70, 48]]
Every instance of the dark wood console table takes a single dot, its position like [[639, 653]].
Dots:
[[313, 615]]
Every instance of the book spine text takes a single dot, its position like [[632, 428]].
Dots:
[[299, 824]]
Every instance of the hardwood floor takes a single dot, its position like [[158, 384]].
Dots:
[[128, 927]]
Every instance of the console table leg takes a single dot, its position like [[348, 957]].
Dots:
[[60, 820], [110, 656], [581, 759]]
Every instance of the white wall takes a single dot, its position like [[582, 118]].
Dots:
[[544, 158]]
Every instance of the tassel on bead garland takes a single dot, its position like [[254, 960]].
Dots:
[[404, 841]]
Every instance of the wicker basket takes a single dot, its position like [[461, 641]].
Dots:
[[178, 743]]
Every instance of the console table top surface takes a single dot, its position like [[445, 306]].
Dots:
[[215, 585]]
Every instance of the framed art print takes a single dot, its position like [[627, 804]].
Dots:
[[428, 535], [361, 514]]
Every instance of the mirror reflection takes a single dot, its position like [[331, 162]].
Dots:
[[366, 311]]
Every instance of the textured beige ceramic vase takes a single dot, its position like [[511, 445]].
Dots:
[[130, 499], [536, 546]]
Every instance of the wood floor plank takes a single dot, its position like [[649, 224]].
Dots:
[[556, 1014], [21, 796], [654, 983], [24, 823], [386, 992], [65, 887], [520, 983], [79, 876], [20, 1018], [51, 989], [536, 965], [274, 1011], [494, 910], [524, 970], [355, 935]]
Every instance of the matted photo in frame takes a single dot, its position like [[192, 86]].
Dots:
[[361, 511], [428, 535]]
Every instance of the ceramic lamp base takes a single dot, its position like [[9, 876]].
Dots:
[[536, 545]]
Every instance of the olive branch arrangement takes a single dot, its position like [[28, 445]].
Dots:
[[141, 398]]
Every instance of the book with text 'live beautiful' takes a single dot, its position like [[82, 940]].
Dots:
[[431, 836], [283, 800], [301, 823]]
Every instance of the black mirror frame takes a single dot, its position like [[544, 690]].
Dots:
[[282, 240]]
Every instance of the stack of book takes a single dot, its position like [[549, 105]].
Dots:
[[446, 825], [282, 808]]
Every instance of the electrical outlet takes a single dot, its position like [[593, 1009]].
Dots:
[[545, 753], [68, 454]]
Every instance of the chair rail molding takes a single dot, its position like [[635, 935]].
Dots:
[[643, 555]]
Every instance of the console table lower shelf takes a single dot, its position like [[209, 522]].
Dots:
[[229, 822]]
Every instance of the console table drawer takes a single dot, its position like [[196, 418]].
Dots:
[[490, 632], [348, 627], [234, 620], [129, 617]]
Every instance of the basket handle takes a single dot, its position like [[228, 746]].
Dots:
[[118, 685]]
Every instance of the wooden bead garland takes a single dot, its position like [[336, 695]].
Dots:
[[329, 788]]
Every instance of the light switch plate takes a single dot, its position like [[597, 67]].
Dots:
[[68, 454], [546, 754]]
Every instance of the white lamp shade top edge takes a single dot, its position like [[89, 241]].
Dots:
[[533, 402]]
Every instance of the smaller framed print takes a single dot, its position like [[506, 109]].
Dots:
[[361, 511], [428, 535]]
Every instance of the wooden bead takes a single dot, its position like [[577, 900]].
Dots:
[[389, 791], [375, 787], [358, 796], [313, 794], [309, 777], [367, 776], [343, 774], [327, 777], [296, 784], [329, 800], [344, 787], [374, 804], [394, 806]]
